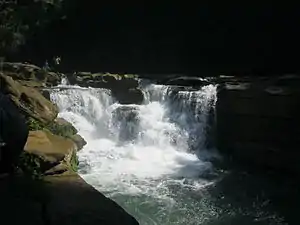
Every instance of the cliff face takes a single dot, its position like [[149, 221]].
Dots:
[[258, 121]]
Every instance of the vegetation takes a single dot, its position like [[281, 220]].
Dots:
[[21, 19], [74, 162], [30, 165], [64, 130], [33, 124]]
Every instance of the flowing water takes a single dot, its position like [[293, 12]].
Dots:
[[154, 159]]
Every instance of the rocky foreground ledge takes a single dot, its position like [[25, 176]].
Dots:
[[45, 189]]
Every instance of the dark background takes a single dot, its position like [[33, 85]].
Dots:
[[194, 39]]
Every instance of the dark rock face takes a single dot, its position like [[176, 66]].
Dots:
[[13, 133], [258, 121]]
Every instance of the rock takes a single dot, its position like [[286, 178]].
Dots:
[[123, 87], [29, 100], [79, 141], [13, 133], [32, 73], [258, 122], [52, 149]]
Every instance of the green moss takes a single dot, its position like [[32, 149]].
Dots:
[[74, 162]]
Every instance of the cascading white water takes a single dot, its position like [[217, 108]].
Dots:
[[152, 158], [140, 150]]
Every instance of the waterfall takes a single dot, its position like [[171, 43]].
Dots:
[[130, 145], [150, 149]]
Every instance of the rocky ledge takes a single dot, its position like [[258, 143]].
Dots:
[[45, 189]]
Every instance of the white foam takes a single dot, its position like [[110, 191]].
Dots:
[[158, 154]]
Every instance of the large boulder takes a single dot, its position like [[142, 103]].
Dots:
[[29, 100], [258, 121], [13, 133], [52, 149]]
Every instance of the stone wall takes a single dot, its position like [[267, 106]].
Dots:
[[258, 121]]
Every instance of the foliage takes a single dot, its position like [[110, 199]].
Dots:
[[30, 165], [20, 20], [33, 124], [74, 162], [64, 130]]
